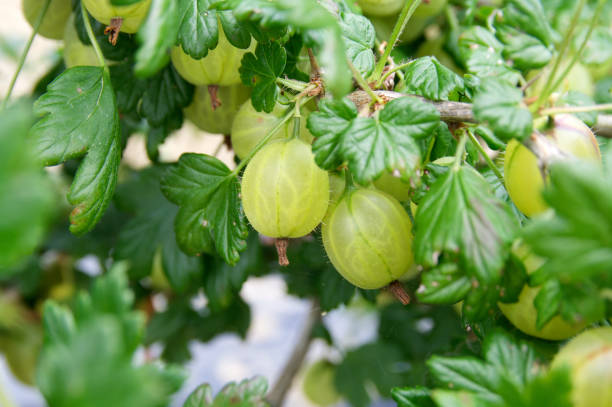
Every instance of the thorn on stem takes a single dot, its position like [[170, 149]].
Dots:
[[397, 289], [281, 250], [113, 30], [214, 97]]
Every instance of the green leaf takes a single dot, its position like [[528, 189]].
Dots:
[[553, 388], [461, 218], [165, 94], [207, 193], [427, 77], [524, 51], [500, 105], [260, 70], [445, 284], [200, 397], [598, 49], [198, 27], [412, 397], [529, 16], [359, 36], [248, 393], [371, 146], [156, 36], [510, 356], [151, 232], [27, 196], [372, 363], [318, 25], [446, 398], [58, 323], [80, 119], [577, 245]]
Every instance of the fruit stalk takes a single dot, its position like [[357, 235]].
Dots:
[[25, 52], [92, 37], [285, 378], [403, 18], [486, 157]]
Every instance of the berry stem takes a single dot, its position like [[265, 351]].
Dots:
[[281, 249], [485, 156], [402, 20], [564, 46], [575, 109], [392, 71], [460, 151], [292, 84], [25, 52], [399, 292], [92, 37], [577, 55]]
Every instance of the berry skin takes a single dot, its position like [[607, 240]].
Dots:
[[284, 193], [589, 356], [132, 15], [250, 126], [394, 186], [318, 385], [381, 7], [367, 236], [219, 120], [75, 52], [54, 20], [522, 314], [218, 67], [522, 174]]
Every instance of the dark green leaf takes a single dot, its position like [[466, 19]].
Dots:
[[207, 193], [260, 70], [198, 27], [500, 105], [412, 397], [358, 34], [164, 94], [427, 77], [80, 119], [528, 15], [524, 51]]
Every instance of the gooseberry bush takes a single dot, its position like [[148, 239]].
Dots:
[[442, 164]]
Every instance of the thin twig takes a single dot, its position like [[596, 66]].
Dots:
[[285, 379], [485, 156], [25, 52]]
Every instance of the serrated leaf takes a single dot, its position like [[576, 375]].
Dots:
[[165, 94], [524, 51], [529, 16], [249, 393], [80, 119], [200, 397], [206, 190], [27, 201], [371, 145], [359, 36], [412, 397], [445, 284], [515, 358], [151, 232], [427, 77], [461, 217], [156, 36], [500, 105], [58, 323], [198, 27], [260, 70]]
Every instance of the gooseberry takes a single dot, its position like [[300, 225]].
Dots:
[[522, 174], [578, 79], [75, 52], [384, 27], [381, 7], [131, 16], [589, 356], [394, 186], [53, 22], [318, 385], [216, 120], [250, 126], [218, 67], [367, 236], [284, 193], [429, 9], [522, 314]]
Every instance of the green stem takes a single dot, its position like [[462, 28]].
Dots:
[[575, 109], [281, 122], [363, 84], [564, 45], [25, 52], [577, 55], [403, 18], [392, 71], [460, 151], [292, 84], [486, 157], [92, 37], [430, 147]]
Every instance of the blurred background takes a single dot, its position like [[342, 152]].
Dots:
[[277, 318]]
